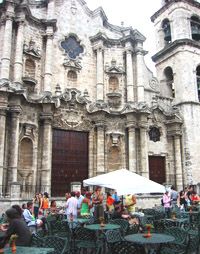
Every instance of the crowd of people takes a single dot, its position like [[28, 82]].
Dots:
[[183, 199], [23, 220]]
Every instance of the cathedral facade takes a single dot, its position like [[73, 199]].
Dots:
[[77, 100]]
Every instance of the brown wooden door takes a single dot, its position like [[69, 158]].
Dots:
[[69, 160], [157, 169]]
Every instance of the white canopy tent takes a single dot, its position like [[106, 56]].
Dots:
[[125, 182]]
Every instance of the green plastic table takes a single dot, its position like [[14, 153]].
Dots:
[[97, 227], [155, 239], [29, 250]]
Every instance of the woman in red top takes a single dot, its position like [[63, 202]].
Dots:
[[110, 202], [45, 203]]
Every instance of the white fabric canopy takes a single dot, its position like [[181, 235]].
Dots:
[[125, 182]]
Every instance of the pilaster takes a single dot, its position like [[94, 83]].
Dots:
[[48, 60], [46, 119], [132, 147], [7, 44], [129, 73], [144, 168], [178, 162], [100, 73], [18, 63], [14, 142], [100, 147]]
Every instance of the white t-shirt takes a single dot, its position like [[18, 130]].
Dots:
[[71, 206]]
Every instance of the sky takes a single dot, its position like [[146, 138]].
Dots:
[[135, 13]]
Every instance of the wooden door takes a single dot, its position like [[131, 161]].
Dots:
[[157, 169], [69, 160]]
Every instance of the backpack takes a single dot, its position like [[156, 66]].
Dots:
[[162, 203]]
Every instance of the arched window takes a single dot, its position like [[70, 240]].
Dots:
[[113, 84], [198, 80], [167, 30], [168, 72], [72, 78], [26, 154], [30, 68], [195, 28]]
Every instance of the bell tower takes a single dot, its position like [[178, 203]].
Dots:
[[177, 27], [177, 60]]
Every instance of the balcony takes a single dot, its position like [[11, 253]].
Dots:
[[114, 99]]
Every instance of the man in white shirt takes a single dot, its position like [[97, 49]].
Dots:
[[80, 200], [72, 208]]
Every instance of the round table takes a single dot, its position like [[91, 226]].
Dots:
[[155, 239], [82, 220], [29, 250], [99, 227]]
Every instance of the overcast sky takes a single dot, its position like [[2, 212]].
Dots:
[[135, 13]]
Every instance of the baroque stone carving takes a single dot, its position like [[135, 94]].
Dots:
[[7, 85], [114, 69], [154, 84], [31, 49]]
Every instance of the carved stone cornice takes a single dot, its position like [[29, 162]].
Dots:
[[46, 118], [15, 110], [131, 125]]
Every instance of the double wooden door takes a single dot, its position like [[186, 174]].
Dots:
[[69, 160], [157, 169]]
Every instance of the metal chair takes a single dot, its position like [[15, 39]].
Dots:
[[179, 245], [124, 225], [85, 239]]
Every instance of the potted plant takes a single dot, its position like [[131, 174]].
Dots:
[[173, 215], [12, 243], [102, 221], [148, 227]]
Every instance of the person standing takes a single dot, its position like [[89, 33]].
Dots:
[[45, 203], [36, 205], [86, 205], [72, 208], [130, 202], [174, 197], [80, 200], [97, 202], [167, 203]]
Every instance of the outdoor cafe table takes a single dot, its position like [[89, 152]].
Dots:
[[29, 250], [98, 227], [149, 243], [178, 222]]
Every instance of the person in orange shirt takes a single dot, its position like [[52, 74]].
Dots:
[[45, 203], [110, 202]]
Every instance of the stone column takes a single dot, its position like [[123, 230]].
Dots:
[[14, 143], [132, 148], [51, 9], [129, 75], [144, 167], [100, 148], [48, 60], [46, 152], [178, 162], [2, 144], [91, 153], [100, 72], [139, 76], [18, 64], [7, 44]]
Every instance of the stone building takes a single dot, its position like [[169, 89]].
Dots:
[[77, 100]]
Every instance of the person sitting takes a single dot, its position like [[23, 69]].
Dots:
[[16, 226], [53, 207], [30, 219], [195, 198]]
